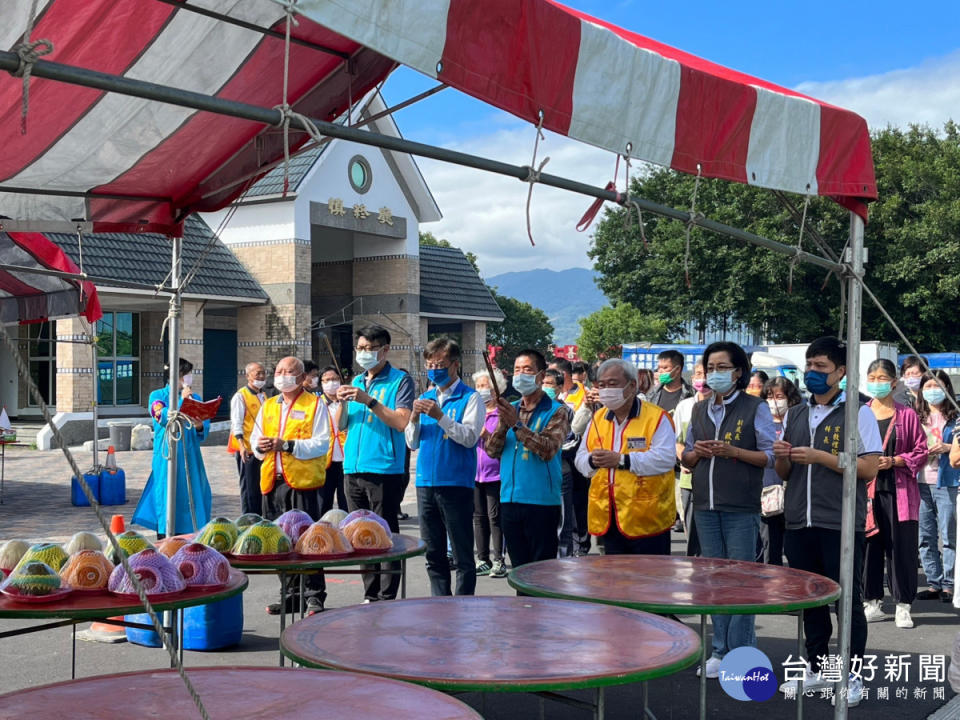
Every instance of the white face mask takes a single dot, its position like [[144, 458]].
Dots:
[[485, 394], [312, 383], [258, 383], [331, 386], [285, 383], [368, 359], [188, 380], [777, 407], [612, 398]]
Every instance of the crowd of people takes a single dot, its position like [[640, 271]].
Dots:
[[746, 466]]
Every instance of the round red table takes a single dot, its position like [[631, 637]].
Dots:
[[234, 693], [677, 584], [495, 644]]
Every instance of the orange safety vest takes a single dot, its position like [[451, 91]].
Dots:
[[252, 403], [643, 505], [335, 439], [298, 474]]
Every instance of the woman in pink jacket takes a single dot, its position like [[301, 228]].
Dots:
[[896, 500]]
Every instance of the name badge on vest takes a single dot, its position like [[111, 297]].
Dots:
[[636, 443], [297, 415]]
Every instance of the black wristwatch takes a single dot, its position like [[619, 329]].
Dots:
[[624, 462], [373, 403], [288, 446]]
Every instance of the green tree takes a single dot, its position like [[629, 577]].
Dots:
[[523, 327], [428, 238], [610, 327]]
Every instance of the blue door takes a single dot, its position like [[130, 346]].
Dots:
[[220, 367]]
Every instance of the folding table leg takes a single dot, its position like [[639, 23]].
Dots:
[[800, 651], [703, 667], [283, 610], [73, 652], [601, 710]]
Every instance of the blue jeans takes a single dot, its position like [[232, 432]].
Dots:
[[446, 516], [730, 535], [938, 523]]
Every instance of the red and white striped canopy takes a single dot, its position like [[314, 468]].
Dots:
[[27, 297], [136, 165]]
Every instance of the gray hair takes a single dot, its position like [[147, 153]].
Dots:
[[629, 370], [498, 378], [250, 365]]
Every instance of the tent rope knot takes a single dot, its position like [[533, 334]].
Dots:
[[29, 53], [587, 219], [533, 172], [694, 218]]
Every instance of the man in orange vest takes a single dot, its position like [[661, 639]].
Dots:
[[291, 436], [244, 408], [628, 451]]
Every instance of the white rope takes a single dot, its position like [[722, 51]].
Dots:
[[691, 221], [796, 258], [29, 51], [285, 106], [533, 172], [80, 250], [177, 424]]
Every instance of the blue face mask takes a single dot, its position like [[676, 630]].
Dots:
[[439, 376], [525, 384], [720, 381], [551, 392], [816, 382], [934, 396]]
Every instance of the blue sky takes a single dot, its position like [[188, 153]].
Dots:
[[893, 62]]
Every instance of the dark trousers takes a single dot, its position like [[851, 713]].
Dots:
[[565, 541], [897, 543], [530, 531], [333, 487], [581, 498], [817, 550], [771, 538], [446, 512], [276, 503], [251, 501], [486, 520], [382, 494], [690, 523], [615, 543]]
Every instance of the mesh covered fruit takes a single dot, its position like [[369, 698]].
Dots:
[[367, 534], [131, 542], [334, 516], [322, 538], [169, 546], [52, 554], [87, 570], [201, 565], [156, 573], [83, 541], [364, 515], [11, 552], [34, 578], [220, 534], [293, 523], [263, 538], [246, 520]]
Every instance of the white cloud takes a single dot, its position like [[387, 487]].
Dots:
[[928, 93]]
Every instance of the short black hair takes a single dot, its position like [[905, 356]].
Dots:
[[789, 389], [183, 366], [923, 407], [309, 366], [539, 360], [562, 364], [330, 368], [830, 347], [674, 356], [555, 374], [914, 361], [442, 346], [737, 356], [374, 334], [760, 374], [883, 364], [580, 367]]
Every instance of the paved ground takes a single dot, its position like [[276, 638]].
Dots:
[[37, 506]]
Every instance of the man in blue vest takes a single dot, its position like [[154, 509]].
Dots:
[[378, 406], [445, 426], [527, 441]]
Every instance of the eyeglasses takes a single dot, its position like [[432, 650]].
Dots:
[[720, 368], [371, 348], [436, 365]]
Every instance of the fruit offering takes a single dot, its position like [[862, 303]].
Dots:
[[246, 520], [131, 542], [364, 515], [220, 534], [156, 572], [83, 541], [201, 565], [52, 554], [323, 539], [293, 523], [87, 570], [263, 538], [169, 546], [334, 516], [34, 578], [367, 535], [11, 552]]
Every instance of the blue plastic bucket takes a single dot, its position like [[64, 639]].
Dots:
[[113, 487], [205, 627], [76, 492]]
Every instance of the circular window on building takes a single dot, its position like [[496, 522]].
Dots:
[[359, 173]]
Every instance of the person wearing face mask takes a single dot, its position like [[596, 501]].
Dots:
[[378, 403], [486, 496], [333, 488], [728, 444], [896, 499], [151, 511], [681, 419], [938, 483], [553, 387], [808, 459], [780, 395], [311, 377], [758, 378], [911, 372], [628, 452], [527, 441], [244, 408], [445, 427], [671, 387], [292, 436]]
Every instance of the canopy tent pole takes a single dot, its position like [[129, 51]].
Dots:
[[173, 338], [198, 101], [95, 367], [855, 253]]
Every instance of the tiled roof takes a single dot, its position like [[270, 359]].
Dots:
[[145, 258], [272, 182], [450, 286]]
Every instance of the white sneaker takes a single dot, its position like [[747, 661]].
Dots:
[[903, 619], [812, 682], [873, 611], [713, 668], [854, 692]]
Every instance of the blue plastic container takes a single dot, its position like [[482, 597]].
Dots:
[[113, 487], [76, 492], [205, 627]]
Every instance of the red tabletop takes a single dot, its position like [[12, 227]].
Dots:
[[671, 584], [234, 693], [404, 546], [500, 644], [93, 606]]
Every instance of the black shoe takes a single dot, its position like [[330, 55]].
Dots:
[[293, 605], [946, 596], [314, 606], [404, 516], [929, 594]]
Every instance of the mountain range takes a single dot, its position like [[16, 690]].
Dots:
[[564, 295]]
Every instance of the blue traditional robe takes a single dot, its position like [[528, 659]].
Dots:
[[151, 511]]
